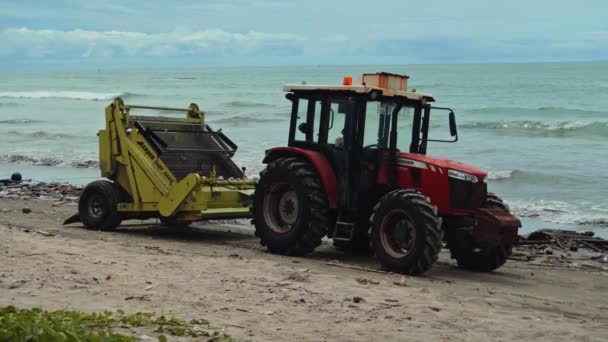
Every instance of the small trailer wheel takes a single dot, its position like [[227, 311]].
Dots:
[[98, 205]]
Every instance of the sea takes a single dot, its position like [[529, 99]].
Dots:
[[539, 129]]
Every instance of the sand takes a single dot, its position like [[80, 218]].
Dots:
[[219, 272]]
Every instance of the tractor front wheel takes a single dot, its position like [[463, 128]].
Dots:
[[473, 256], [98, 205], [406, 232], [290, 207]]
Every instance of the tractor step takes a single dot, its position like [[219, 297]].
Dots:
[[343, 231]]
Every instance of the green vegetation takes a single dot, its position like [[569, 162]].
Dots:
[[37, 325]]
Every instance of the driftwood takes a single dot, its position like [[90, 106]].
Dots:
[[562, 248], [27, 190], [366, 269], [565, 239]]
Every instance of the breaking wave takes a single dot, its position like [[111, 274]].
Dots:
[[240, 120], [40, 135], [8, 104], [583, 214], [249, 104], [70, 95], [77, 163], [19, 121], [494, 110], [560, 128], [503, 174]]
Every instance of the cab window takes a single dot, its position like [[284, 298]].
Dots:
[[378, 125]]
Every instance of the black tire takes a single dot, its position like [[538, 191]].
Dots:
[[400, 213], [493, 201], [174, 223], [297, 228], [98, 205], [474, 257]]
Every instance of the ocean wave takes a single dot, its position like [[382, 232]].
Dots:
[[9, 104], [19, 121], [41, 135], [583, 214], [519, 110], [70, 95], [249, 104], [558, 128], [22, 159], [240, 120], [502, 174]]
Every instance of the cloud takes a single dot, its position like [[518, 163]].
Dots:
[[31, 43]]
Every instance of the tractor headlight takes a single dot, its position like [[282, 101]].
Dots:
[[462, 176]]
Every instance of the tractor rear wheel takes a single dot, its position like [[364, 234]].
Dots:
[[98, 205], [475, 257], [406, 232], [290, 207]]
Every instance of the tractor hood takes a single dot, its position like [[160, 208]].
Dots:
[[440, 165]]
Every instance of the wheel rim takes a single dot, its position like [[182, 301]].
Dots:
[[281, 207], [96, 206], [397, 233]]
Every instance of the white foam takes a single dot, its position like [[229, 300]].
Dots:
[[45, 161], [500, 174], [581, 213], [71, 95]]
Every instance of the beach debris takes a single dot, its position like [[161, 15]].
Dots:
[[401, 282], [296, 276], [354, 267], [26, 210], [27, 189], [72, 219], [17, 284], [140, 298], [365, 281], [357, 299], [564, 248]]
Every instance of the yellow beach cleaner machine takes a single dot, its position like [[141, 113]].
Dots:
[[176, 169]]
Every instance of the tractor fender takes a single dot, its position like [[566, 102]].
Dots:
[[318, 161]]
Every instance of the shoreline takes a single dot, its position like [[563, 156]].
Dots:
[[219, 272], [72, 189]]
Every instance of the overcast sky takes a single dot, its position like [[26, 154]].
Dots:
[[156, 33]]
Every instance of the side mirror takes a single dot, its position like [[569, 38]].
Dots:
[[453, 130], [290, 96], [303, 127]]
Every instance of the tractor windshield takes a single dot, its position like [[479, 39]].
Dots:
[[377, 124], [413, 123]]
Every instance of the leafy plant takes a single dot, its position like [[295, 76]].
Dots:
[[37, 325]]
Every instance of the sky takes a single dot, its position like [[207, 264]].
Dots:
[[196, 33]]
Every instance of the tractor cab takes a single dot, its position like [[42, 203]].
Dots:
[[364, 131], [355, 169]]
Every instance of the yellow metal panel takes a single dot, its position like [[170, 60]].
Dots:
[[127, 158], [106, 164], [178, 194], [225, 213]]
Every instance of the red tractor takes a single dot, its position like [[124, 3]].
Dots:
[[350, 173]]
